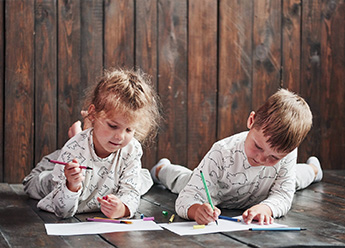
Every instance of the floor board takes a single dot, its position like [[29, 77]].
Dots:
[[319, 208]]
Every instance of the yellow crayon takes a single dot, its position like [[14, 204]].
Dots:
[[198, 226], [171, 218]]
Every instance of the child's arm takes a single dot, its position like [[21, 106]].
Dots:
[[281, 194], [194, 192], [74, 176], [203, 213], [113, 207], [130, 181]]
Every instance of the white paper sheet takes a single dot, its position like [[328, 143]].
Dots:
[[82, 228], [186, 228]]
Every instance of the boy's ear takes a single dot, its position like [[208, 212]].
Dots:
[[250, 121]]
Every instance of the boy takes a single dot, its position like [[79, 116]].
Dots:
[[253, 170]]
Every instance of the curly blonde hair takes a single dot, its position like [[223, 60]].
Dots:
[[130, 93]]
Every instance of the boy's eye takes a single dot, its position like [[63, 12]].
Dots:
[[258, 147], [129, 130]]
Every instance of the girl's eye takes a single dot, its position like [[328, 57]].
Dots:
[[129, 130], [112, 126]]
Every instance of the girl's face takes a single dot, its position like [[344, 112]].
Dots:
[[111, 134], [257, 149]]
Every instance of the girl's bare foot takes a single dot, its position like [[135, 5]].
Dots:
[[87, 121], [74, 129]]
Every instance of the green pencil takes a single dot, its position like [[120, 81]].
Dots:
[[207, 192]]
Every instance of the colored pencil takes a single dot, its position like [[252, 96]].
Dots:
[[98, 219], [277, 229], [207, 192], [229, 218], [64, 163]]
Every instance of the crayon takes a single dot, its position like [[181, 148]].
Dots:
[[198, 226]]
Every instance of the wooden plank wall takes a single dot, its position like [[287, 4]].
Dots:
[[212, 61]]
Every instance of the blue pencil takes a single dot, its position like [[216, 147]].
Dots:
[[228, 218], [277, 229]]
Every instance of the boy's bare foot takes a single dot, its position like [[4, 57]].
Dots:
[[316, 166], [74, 129]]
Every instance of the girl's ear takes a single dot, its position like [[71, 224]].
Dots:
[[91, 111], [250, 121], [89, 116]]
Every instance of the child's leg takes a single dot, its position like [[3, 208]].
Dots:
[[146, 181], [74, 129], [38, 183], [76, 126], [174, 177], [308, 173]]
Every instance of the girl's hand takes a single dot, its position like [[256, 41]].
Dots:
[[203, 214], [113, 207], [74, 176], [261, 212]]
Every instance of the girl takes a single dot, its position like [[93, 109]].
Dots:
[[123, 110]]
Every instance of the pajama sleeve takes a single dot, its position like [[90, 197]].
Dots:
[[61, 201], [130, 183], [281, 194], [194, 192]]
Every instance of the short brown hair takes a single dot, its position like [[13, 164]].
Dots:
[[131, 93], [285, 118]]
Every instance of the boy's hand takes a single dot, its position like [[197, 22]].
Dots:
[[113, 207], [261, 213], [74, 176], [203, 214]]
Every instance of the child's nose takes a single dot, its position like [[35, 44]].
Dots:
[[262, 158], [119, 135]]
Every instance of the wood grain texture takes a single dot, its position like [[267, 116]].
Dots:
[[211, 61], [202, 78], [235, 66], [2, 86], [332, 82], [91, 42], [172, 79], [69, 70], [119, 33], [146, 34], [45, 78], [291, 45], [19, 90], [266, 53], [318, 208], [311, 72]]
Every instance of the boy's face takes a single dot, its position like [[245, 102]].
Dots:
[[257, 149]]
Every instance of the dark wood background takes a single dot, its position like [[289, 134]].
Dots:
[[212, 61]]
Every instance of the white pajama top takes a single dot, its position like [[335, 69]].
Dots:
[[234, 184], [118, 174]]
